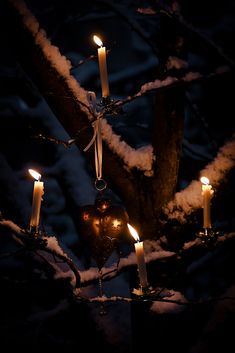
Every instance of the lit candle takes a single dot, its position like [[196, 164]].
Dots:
[[139, 250], [38, 191], [102, 67], [207, 193]]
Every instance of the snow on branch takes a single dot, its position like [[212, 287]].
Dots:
[[188, 78], [189, 199], [176, 63], [141, 158], [156, 84], [153, 252], [166, 302], [49, 244], [175, 305], [42, 246], [52, 53], [163, 300], [146, 11]]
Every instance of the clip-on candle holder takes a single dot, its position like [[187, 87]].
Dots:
[[105, 101], [33, 238], [109, 106], [209, 236], [150, 293], [33, 231]]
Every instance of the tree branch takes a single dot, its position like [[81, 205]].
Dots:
[[35, 243], [191, 29]]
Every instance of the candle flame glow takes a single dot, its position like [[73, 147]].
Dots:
[[133, 232], [97, 41], [34, 174], [205, 180]]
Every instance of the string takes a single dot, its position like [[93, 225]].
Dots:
[[98, 150], [100, 184]]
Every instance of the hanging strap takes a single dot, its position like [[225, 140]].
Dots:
[[98, 150], [100, 184]]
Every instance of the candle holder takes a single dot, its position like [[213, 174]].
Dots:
[[32, 238], [109, 106], [208, 235], [33, 231], [105, 101], [150, 293]]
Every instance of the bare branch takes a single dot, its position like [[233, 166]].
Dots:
[[154, 298], [175, 16], [189, 78]]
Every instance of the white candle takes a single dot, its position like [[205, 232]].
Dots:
[[102, 67], [139, 250], [38, 191], [207, 193]]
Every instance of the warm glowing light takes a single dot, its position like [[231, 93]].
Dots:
[[34, 174], [207, 193], [116, 223], [97, 41], [133, 232], [38, 191], [102, 67], [139, 250], [204, 180]]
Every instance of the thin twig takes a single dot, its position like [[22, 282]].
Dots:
[[70, 142], [115, 270], [143, 298], [175, 83], [122, 12], [175, 16], [91, 57], [203, 121], [81, 62], [66, 144], [90, 110]]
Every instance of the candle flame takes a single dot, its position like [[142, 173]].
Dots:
[[34, 174], [205, 180], [133, 232], [97, 41]]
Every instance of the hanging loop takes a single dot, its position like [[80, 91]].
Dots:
[[100, 184]]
